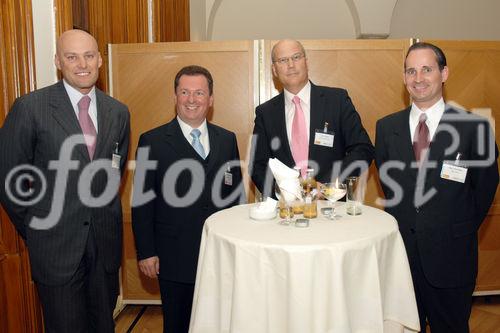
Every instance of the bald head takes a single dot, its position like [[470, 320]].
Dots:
[[75, 34], [285, 43], [78, 59], [290, 65]]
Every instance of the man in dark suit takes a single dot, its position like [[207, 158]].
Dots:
[[186, 170], [68, 143], [439, 174], [306, 125]]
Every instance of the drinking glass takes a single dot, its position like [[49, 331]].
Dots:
[[285, 206], [332, 192]]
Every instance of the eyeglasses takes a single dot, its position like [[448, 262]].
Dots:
[[426, 70], [295, 58]]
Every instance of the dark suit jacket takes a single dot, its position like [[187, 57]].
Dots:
[[33, 133], [173, 231], [331, 105], [445, 227]]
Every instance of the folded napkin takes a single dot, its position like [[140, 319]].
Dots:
[[287, 180], [264, 210]]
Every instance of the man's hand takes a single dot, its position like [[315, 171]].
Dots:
[[150, 266]]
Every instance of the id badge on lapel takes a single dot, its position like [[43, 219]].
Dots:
[[228, 177], [324, 137], [116, 158], [454, 170]]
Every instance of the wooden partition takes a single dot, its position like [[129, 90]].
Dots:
[[474, 82], [371, 71], [143, 78]]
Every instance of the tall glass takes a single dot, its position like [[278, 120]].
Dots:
[[285, 206], [332, 192]]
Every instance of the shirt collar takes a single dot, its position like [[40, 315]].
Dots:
[[186, 129], [434, 113], [75, 96], [304, 95]]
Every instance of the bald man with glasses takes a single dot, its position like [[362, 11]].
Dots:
[[306, 125]]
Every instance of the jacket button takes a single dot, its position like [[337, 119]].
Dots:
[[86, 223], [412, 230]]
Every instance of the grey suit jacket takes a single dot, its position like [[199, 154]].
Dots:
[[34, 133]]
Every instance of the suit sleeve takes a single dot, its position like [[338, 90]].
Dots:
[[124, 141], [381, 153], [237, 175], [358, 146], [259, 154], [143, 211], [17, 144], [484, 179]]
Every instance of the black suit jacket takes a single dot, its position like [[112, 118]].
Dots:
[[331, 105], [444, 228], [33, 133], [170, 230]]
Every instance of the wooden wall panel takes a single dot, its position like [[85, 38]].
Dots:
[[19, 307], [474, 82], [372, 73], [171, 21], [64, 15], [143, 78], [116, 21]]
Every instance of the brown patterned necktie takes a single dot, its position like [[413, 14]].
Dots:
[[421, 138], [87, 125]]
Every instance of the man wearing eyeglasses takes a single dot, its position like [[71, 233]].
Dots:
[[440, 188], [306, 125]]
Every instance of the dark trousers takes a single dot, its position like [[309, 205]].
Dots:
[[86, 302], [176, 302], [447, 310]]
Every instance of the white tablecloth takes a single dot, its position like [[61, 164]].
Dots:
[[348, 275]]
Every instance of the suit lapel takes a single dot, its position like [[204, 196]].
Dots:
[[215, 144], [317, 118], [279, 119], [402, 139], [182, 147], [104, 122], [64, 114], [442, 140]]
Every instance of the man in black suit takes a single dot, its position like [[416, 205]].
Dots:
[[68, 143], [329, 135], [186, 170], [439, 174]]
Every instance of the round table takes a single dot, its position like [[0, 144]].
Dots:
[[346, 275]]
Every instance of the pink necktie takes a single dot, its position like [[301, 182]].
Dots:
[[421, 137], [87, 125], [300, 143]]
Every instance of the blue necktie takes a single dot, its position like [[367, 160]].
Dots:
[[195, 133]]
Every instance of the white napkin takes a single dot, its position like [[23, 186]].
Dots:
[[264, 210], [287, 180]]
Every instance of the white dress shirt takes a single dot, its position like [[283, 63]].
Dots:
[[434, 114], [186, 130], [305, 103], [75, 96]]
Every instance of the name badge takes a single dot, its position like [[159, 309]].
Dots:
[[115, 161], [322, 138], [228, 178], [453, 172]]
